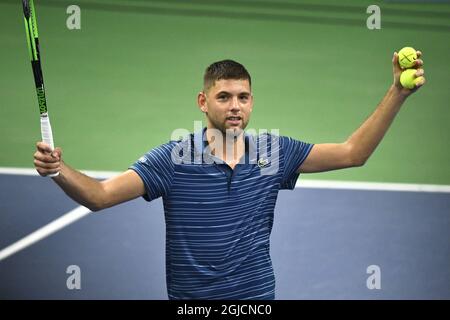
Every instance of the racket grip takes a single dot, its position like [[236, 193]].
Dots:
[[47, 136]]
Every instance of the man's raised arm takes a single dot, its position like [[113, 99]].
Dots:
[[362, 143], [89, 192]]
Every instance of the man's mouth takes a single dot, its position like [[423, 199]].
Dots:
[[234, 119]]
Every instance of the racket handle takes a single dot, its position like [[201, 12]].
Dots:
[[47, 136]]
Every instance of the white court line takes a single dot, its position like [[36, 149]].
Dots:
[[302, 183], [56, 225], [373, 186]]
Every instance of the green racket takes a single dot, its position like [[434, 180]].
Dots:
[[33, 48]]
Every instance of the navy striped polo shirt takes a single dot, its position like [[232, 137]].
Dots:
[[218, 219]]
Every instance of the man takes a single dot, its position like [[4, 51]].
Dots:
[[218, 190]]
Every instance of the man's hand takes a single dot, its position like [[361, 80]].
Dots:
[[398, 71], [45, 161]]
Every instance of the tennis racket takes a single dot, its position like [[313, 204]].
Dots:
[[33, 49]]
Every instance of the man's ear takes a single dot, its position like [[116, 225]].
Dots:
[[201, 101]]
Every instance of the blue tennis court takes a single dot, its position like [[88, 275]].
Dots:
[[323, 242]]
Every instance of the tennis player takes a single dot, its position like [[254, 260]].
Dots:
[[218, 190]]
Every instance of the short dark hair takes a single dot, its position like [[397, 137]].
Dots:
[[225, 69]]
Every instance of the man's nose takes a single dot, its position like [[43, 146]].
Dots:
[[235, 104]]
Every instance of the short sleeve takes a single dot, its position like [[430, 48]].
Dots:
[[294, 153], [156, 170]]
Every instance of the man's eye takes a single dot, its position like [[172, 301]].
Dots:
[[244, 98], [222, 97]]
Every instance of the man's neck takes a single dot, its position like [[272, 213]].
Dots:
[[229, 148]]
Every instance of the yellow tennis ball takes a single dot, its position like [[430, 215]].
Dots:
[[407, 57], [408, 78]]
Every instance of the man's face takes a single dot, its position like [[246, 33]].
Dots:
[[227, 105]]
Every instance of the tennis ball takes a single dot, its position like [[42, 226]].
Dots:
[[407, 57], [408, 78]]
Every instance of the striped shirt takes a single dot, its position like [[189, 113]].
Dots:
[[218, 219]]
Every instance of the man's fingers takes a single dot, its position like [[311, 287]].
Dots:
[[43, 147], [44, 168], [46, 160], [395, 64], [420, 72], [46, 165], [420, 82], [45, 157], [57, 153], [395, 58], [418, 63], [419, 53]]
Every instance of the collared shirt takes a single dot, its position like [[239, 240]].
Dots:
[[218, 219]]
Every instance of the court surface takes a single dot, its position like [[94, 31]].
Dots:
[[323, 241]]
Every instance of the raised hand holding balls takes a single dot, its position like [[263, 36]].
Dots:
[[410, 79]]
